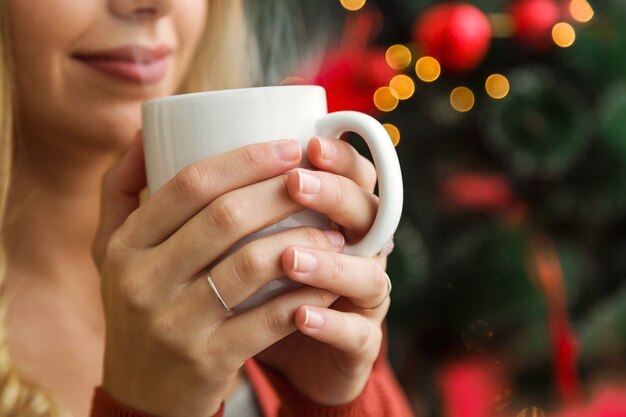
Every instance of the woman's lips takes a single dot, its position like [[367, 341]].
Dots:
[[132, 63]]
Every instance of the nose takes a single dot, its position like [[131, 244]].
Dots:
[[141, 9]]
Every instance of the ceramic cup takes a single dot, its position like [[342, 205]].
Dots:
[[184, 129]]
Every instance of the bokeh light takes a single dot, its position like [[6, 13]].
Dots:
[[581, 10], [352, 5], [462, 99], [386, 99], [505, 396], [531, 412], [394, 133], [398, 57], [497, 86], [403, 85], [563, 34], [427, 69]]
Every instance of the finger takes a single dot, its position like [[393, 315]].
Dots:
[[271, 321], [339, 157], [247, 269], [216, 228], [338, 197], [121, 185], [360, 279], [353, 334], [199, 184]]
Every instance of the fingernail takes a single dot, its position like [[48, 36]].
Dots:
[[304, 261], [308, 183], [313, 319], [287, 150], [335, 237], [328, 149]]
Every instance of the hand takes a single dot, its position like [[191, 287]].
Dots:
[[330, 358], [171, 349]]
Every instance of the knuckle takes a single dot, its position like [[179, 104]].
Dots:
[[364, 339], [340, 325], [277, 320], [163, 328], [123, 239], [379, 280], [226, 214], [250, 263], [369, 173], [134, 296], [253, 157], [376, 339], [117, 244], [215, 354], [190, 182], [342, 194], [314, 237], [323, 297], [337, 268]]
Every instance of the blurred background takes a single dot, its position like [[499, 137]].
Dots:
[[509, 119]]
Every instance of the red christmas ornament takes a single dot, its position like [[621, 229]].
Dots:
[[533, 21], [469, 387], [456, 34], [353, 72], [476, 191], [607, 401], [351, 77]]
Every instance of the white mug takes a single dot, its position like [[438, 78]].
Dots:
[[184, 129]]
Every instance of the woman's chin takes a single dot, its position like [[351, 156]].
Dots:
[[115, 130]]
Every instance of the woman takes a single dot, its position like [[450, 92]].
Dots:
[[139, 323]]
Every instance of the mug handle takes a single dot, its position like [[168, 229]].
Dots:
[[390, 189]]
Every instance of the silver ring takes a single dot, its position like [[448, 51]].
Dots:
[[385, 299], [217, 294], [387, 249]]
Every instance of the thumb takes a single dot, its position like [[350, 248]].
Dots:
[[121, 185]]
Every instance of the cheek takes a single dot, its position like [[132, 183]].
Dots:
[[42, 34], [57, 98]]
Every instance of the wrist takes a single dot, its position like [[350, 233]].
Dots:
[[295, 402], [104, 405]]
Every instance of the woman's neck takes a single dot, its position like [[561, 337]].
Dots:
[[56, 314], [53, 210]]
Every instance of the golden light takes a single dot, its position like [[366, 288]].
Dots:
[[386, 99], [531, 412], [462, 99], [581, 10], [497, 86], [403, 85], [398, 57], [563, 34], [427, 69], [394, 133], [352, 5]]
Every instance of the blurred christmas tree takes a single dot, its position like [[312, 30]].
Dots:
[[510, 123]]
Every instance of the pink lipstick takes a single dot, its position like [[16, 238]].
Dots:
[[132, 63]]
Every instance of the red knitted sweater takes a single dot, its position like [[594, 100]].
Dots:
[[382, 396]]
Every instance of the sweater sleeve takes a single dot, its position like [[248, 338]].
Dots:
[[381, 397], [103, 405]]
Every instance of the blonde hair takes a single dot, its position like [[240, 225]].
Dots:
[[218, 64]]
